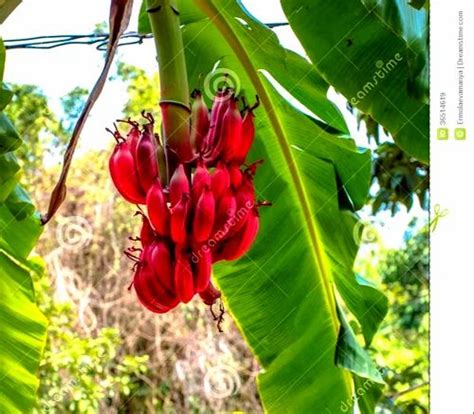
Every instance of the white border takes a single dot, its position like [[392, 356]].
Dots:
[[452, 247]]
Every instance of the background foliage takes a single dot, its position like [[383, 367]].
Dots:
[[403, 341], [22, 325]]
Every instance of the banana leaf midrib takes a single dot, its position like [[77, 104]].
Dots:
[[216, 17]]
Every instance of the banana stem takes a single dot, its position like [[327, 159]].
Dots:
[[174, 103]]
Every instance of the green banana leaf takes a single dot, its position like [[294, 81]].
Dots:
[[283, 293], [10, 171], [5, 96], [375, 54], [22, 325], [2, 58], [19, 203], [22, 337], [410, 21], [367, 394], [9, 138], [7, 186], [292, 71]]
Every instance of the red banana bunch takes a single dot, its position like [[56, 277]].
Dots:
[[204, 213]]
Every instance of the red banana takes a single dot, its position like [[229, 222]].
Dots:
[[210, 295], [124, 175], [201, 179], [149, 290], [247, 137], [241, 242], [179, 184], [147, 235], [157, 209], [220, 180], [204, 214], [162, 295], [157, 281], [235, 175], [231, 131], [179, 219], [146, 157], [183, 276], [161, 263], [202, 268], [145, 294], [199, 121], [225, 214], [245, 202], [219, 106], [133, 136]]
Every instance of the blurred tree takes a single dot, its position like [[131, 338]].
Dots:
[[38, 126], [80, 373], [397, 178], [72, 104], [44, 132], [402, 343], [101, 28], [143, 91]]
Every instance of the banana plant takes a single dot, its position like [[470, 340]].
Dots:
[[304, 313], [294, 297], [376, 55], [22, 325]]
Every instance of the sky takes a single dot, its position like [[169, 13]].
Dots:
[[60, 70]]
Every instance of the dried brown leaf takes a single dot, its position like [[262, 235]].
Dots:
[[120, 11]]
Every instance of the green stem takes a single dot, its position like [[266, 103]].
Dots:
[[164, 20]]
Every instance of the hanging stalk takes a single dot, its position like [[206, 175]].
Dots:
[[120, 11], [174, 103]]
